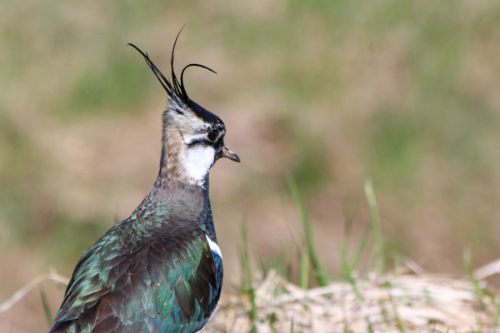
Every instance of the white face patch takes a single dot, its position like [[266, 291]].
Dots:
[[213, 246], [191, 139], [196, 162]]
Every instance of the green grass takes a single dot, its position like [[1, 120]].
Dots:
[[310, 270], [399, 322], [470, 273], [246, 284], [369, 327], [348, 268], [310, 263], [46, 307], [318, 268], [377, 256]]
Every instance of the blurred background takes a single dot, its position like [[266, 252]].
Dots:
[[406, 92]]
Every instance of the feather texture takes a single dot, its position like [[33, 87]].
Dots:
[[153, 272], [160, 270]]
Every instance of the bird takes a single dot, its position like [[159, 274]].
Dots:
[[161, 269]]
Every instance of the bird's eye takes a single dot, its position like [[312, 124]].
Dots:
[[212, 135]]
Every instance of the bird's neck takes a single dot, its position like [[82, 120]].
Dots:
[[176, 201], [177, 195], [180, 163]]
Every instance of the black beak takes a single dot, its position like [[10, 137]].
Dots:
[[228, 153]]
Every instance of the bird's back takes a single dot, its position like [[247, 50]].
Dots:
[[144, 275]]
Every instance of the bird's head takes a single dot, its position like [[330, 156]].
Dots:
[[193, 137]]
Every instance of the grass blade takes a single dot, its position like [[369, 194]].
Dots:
[[472, 278], [361, 248], [378, 248], [369, 326], [304, 270], [319, 270], [348, 271], [46, 307], [348, 226], [246, 286], [399, 322], [246, 275]]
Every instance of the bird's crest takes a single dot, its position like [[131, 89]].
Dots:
[[173, 87]]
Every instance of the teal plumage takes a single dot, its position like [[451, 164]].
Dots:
[[160, 270], [158, 262]]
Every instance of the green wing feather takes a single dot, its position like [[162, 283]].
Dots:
[[130, 282]]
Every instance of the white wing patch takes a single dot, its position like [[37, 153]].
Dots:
[[213, 246]]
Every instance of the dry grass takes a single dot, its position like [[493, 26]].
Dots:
[[406, 299], [393, 303], [397, 302], [405, 92]]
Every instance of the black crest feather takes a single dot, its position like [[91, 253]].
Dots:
[[173, 87]]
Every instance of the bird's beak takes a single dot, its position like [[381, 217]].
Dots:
[[228, 153]]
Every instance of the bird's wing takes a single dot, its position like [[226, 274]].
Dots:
[[162, 284]]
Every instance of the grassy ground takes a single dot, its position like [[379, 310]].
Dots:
[[390, 293], [333, 92]]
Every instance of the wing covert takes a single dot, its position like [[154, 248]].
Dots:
[[160, 284]]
